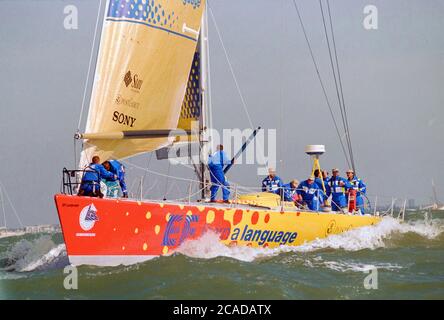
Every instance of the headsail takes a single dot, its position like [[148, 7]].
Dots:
[[146, 53]]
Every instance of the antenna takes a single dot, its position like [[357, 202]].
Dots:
[[315, 151]]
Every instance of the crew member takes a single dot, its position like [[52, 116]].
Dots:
[[290, 193], [360, 188], [90, 185], [325, 178], [338, 187], [216, 163], [272, 183], [311, 193], [118, 169]]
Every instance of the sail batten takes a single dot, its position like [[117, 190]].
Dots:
[[142, 72]]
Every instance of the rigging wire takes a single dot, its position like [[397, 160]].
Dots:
[[89, 66], [3, 206], [340, 85], [147, 165], [2, 186], [153, 185], [320, 81], [335, 79], [281, 93], [75, 152], [231, 68], [167, 180]]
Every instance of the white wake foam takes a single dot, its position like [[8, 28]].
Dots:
[[372, 237], [369, 237], [209, 246], [38, 254], [344, 266], [47, 259]]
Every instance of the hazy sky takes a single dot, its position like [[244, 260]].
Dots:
[[393, 86]]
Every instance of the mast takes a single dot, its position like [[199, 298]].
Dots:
[[3, 206], [205, 117], [435, 196]]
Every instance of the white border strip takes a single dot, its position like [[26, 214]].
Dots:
[[108, 261]]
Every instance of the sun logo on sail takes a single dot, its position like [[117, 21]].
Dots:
[[128, 79], [134, 80]]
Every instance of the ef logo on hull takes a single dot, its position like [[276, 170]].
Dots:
[[178, 229]]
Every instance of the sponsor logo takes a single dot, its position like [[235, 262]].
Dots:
[[333, 228], [123, 119], [127, 79], [88, 217], [178, 229], [263, 236], [70, 205], [127, 102], [132, 80]]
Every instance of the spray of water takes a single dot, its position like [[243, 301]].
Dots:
[[370, 237], [38, 254]]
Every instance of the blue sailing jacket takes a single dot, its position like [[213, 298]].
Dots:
[[273, 185], [327, 187], [95, 172], [311, 194], [289, 192], [218, 160], [358, 185], [361, 189], [336, 190], [216, 164], [119, 170]]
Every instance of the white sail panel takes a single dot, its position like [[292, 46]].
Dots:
[[146, 53]]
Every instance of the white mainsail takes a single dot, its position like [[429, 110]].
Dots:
[[146, 52]]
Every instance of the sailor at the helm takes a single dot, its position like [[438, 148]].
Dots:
[[360, 188], [216, 163]]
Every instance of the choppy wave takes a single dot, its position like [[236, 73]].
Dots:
[[373, 237], [344, 266], [370, 237], [43, 254], [34, 255], [208, 247]]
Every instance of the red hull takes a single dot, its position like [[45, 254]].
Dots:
[[128, 231]]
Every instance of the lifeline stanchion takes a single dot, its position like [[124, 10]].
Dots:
[[235, 195], [189, 192]]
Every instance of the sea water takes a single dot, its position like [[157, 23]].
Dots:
[[405, 261]]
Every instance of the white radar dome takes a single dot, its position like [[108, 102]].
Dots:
[[315, 149]]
